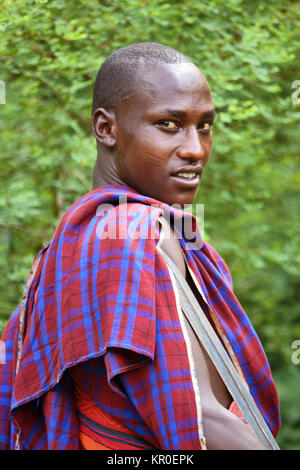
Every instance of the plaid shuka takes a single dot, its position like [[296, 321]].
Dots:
[[109, 301]]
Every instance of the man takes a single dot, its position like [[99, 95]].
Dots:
[[99, 354]]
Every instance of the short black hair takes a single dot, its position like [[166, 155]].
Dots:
[[118, 72]]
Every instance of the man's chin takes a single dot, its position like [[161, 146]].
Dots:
[[178, 199], [183, 200], [180, 204]]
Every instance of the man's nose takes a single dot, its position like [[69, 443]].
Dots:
[[191, 146]]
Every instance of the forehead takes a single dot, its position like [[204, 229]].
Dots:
[[161, 85]]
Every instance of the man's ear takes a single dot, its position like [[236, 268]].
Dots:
[[104, 126]]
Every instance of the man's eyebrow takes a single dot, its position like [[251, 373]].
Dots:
[[209, 114], [176, 113]]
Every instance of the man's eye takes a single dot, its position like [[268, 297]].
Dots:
[[205, 126], [169, 124]]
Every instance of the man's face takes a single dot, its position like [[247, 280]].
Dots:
[[163, 136]]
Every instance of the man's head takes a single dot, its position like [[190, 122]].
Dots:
[[152, 117]]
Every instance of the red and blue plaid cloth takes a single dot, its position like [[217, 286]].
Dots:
[[105, 306]]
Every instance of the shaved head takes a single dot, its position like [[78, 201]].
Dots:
[[152, 119], [118, 73]]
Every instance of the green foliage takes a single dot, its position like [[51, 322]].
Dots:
[[50, 53]]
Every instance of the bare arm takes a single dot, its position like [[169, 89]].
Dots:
[[225, 431]]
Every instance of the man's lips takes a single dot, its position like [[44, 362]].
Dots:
[[188, 176]]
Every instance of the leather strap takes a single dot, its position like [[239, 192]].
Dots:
[[220, 358]]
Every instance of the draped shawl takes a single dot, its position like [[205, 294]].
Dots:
[[101, 289]]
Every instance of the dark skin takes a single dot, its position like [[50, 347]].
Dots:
[[155, 132], [158, 141]]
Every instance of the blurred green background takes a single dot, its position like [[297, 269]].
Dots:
[[50, 52]]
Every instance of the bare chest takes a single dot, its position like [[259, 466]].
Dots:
[[209, 380]]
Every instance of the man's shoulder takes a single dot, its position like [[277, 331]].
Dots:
[[112, 214], [113, 202]]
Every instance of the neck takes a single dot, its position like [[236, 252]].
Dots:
[[105, 171]]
